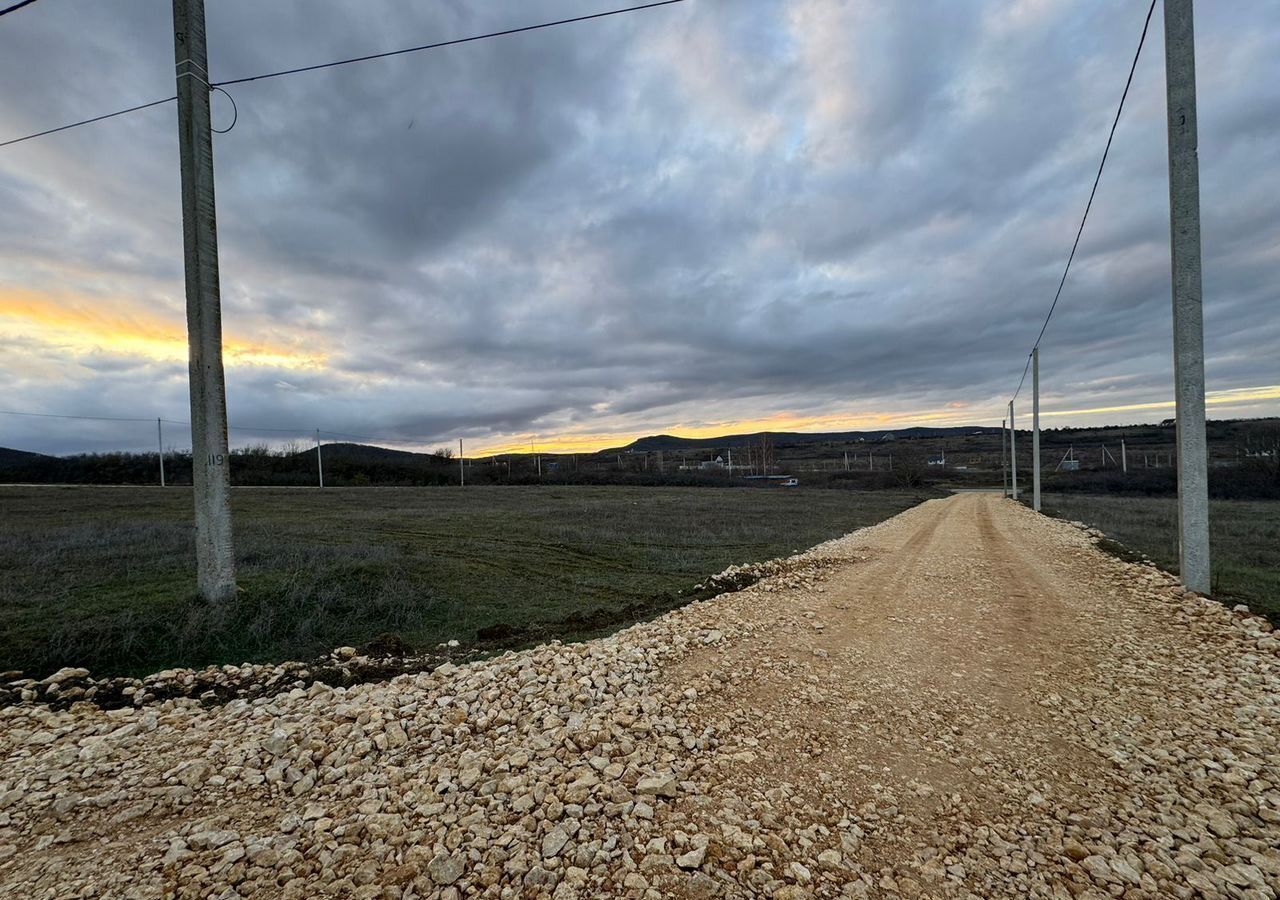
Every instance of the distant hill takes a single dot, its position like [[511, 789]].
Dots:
[[10, 458], [668, 442], [364, 454]]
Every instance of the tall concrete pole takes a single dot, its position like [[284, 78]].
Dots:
[[1188, 318], [1035, 429], [1124, 458], [319, 459], [1013, 454], [462, 466], [160, 441], [1004, 457], [215, 559]]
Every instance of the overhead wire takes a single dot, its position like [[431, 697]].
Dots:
[[236, 426], [1146, 25], [110, 115], [215, 85], [12, 412], [16, 7], [449, 43]]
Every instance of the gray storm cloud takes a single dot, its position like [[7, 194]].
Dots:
[[711, 212]]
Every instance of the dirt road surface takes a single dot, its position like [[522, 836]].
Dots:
[[968, 700]]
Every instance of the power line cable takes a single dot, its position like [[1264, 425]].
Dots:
[[297, 430], [112, 115], [342, 62], [11, 412], [1092, 193], [450, 43], [16, 7]]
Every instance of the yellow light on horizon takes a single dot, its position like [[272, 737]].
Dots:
[[1231, 397], [69, 328], [952, 414]]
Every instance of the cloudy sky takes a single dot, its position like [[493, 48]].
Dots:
[[713, 216]]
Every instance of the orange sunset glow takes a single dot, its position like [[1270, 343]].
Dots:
[[854, 420], [70, 327]]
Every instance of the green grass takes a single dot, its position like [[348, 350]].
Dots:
[[1244, 539], [103, 577]]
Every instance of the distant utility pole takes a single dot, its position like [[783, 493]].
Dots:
[[462, 466], [1004, 457], [319, 459], [1035, 429], [160, 440], [215, 557], [1013, 454], [846, 460], [1188, 314], [1124, 458]]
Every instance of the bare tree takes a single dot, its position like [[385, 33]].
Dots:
[[768, 460], [910, 465], [1262, 448]]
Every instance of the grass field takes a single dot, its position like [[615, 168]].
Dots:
[[103, 577], [1244, 539]]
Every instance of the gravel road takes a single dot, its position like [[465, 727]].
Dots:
[[968, 700]]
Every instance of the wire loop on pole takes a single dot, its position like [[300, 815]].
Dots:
[[235, 112]]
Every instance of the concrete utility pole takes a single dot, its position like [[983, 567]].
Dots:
[[215, 558], [1004, 457], [462, 466], [1013, 454], [319, 459], [1035, 429], [1124, 458], [1188, 315], [160, 440]]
